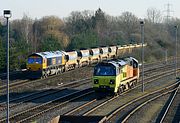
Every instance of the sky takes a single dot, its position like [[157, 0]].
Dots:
[[63, 8]]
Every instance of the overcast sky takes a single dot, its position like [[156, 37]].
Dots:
[[62, 8]]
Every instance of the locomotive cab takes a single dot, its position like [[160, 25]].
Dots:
[[105, 77], [35, 62], [35, 65]]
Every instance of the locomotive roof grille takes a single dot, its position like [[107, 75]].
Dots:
[[49, 54]]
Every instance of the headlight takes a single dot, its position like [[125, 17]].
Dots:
[[112, 81], [96, 81]]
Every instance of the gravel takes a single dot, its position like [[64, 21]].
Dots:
[[149, 112], [36, 102], [132, 95]]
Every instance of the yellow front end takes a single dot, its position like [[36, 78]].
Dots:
[[105, 83], [36, 65]]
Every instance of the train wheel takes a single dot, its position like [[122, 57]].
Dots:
[[133, 84], [80, 65], [76, 66], [56, 72], [44, 76], [88, 63], [136, 82], [59, 70], [120, 90]]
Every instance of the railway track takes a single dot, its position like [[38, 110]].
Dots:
[[13, 86], [171, 112], [76, 111], [157, 69], [48, 106], [131, 107], [45, 107], [43, 93], [3, 75], [163, 73], [169, 60], [21, 83], [17, 101]]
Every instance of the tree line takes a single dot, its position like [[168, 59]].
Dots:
[[84, 29]]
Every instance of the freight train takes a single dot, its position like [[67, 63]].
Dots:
[[44, 64], [116, 76]]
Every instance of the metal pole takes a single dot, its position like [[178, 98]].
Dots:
[[7, 60], [7, 15], [176, 29], [165, 56], [142, 57]]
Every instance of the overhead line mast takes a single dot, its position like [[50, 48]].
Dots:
[[168, 12]]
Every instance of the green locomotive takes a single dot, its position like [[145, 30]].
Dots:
[[116, 75]]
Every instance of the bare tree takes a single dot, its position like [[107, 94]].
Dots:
[[27, 23], [128, 23], [154, 15]]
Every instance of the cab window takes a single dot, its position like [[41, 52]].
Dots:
[[104, 71], [34, 61]]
